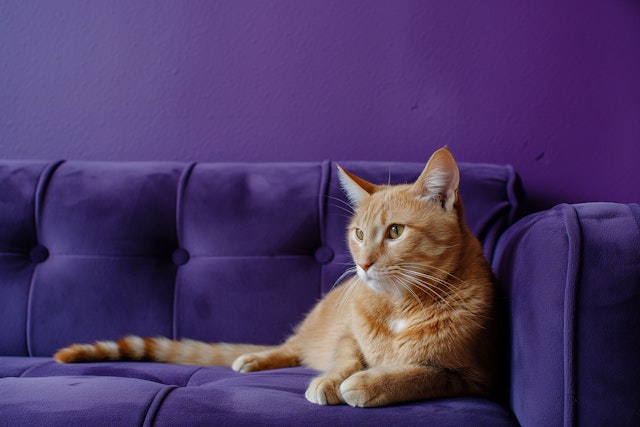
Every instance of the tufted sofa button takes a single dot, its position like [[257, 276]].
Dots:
[[324, 254], [180, 256], [38, 254]]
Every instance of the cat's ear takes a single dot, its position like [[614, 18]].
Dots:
[[440, 179], [355, 187]]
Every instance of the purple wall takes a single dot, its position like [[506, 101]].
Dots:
[[550, 87]]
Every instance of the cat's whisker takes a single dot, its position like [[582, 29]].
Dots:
[[347, 295], [451, 288], [460, 311], [407, 286], [339, 215], [349, 213], [351, 286], [347, 273], [426, 283], [445, 292], [338, 199], [431, 267], [396, 286], [425, 287], [420, 271], [345, 206]]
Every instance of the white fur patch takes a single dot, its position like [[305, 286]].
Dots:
[[162, 349], [397, 326], [110, 348], [136, 347]]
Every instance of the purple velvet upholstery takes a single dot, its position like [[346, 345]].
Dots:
[[240, 252]]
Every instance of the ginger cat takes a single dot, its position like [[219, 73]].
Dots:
[[414, 323]]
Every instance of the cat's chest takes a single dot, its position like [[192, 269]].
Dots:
[[392, 336], [387, 321], [389, 342]]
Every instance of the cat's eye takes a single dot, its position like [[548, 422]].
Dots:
[[395, 231], [359, 234]]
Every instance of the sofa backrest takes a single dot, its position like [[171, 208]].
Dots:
[[216, 252]]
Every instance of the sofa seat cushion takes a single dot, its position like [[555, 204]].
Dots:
[[37, 391]]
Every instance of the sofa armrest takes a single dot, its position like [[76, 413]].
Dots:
[[571, 281]]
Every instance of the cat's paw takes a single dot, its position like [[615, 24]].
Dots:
[[359, 391], [248, 363], [324, 390]]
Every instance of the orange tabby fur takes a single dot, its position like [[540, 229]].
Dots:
[[414, 323]]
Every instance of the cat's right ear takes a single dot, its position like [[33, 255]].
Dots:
[[440, 179], [355, 187]]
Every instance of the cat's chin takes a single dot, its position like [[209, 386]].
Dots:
[[382, 287], [372, 282]]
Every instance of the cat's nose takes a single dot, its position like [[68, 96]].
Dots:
[[365, 267]]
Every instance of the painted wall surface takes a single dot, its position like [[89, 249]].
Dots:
[[551, 87]]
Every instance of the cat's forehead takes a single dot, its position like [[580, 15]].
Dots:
[[387, 204]]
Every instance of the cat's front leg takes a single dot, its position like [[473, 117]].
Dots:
[[386, 385], [325, 388]]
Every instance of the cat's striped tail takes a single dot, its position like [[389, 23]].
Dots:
[[184, 352]]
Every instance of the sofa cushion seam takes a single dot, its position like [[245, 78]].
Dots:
[[39, 195], [156, 403], [574, 265], [183, 181]]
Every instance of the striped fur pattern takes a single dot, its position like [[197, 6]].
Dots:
[[160, 349], [414, 321]]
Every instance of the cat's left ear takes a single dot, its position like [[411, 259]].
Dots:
[[440, 179], [355, 187]]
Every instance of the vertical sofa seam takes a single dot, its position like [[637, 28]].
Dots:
[[323, 193], [512, 194], [574, 265], [155, 405], [39, 196], [182, 185]]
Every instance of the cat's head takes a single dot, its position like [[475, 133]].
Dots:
[[404, 237]]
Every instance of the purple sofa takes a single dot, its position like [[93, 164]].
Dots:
[[239, 253]]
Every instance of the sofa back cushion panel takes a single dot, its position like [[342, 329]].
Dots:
[[574, 314], [251, 231], [230, 252], [259, 300], [110, 209], [84, 298], [110, 231], [251, 210], [18, 182], [18, 188]]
